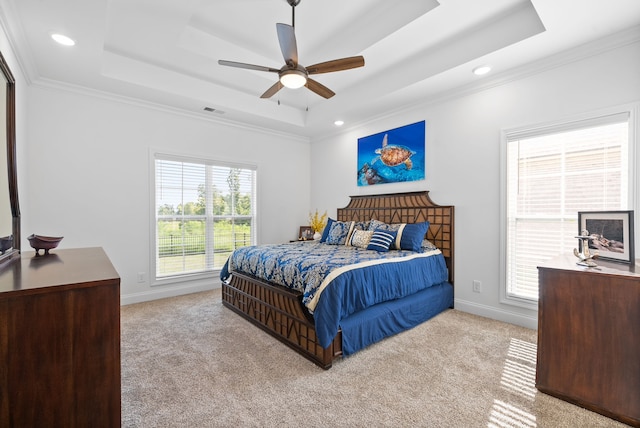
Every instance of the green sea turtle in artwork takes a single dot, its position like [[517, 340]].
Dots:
[[393, 155]]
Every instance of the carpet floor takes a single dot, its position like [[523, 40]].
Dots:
[[189, 362]]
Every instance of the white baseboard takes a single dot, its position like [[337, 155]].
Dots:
[[164, 291], [497, 314]]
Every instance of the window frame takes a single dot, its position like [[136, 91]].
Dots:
[[157, 154], [569, 123]]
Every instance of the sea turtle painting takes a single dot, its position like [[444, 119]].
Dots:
[[394, 155], [369, 176]]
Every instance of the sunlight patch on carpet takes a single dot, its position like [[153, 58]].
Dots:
[[519, 378], [522, 350], [519, 371], [506, 415]]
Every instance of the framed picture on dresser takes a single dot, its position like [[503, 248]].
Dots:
[[611, 232]]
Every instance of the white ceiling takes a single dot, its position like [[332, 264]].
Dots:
[[166, 51]]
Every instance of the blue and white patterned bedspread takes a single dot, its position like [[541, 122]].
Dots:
[[348, 278]]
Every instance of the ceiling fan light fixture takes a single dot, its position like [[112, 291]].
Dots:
[[293, 79]]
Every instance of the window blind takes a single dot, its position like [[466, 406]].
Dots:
[[552, 173], [203, 211]]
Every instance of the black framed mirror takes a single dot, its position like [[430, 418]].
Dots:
[[9, 207]]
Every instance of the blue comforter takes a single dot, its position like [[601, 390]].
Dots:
[[336, 280]]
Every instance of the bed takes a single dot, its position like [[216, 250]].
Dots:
[[304, 319]]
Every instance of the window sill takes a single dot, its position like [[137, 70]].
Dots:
[[520, 302], [186, 278]]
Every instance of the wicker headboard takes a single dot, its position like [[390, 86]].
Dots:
[[413, 207]]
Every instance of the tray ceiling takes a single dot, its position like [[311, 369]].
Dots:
[[166, 51]]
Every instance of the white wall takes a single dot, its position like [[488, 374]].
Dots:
[[463, 158], [89, 176]]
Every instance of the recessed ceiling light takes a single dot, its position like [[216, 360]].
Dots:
[[483, 69], [338, 122], [63, 40]]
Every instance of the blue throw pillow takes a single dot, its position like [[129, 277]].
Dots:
[[381, 240], [376, 224], [325, 232], [339, 232], [412, 236], [361, 225]]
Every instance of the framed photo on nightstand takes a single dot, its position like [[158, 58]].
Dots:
[[306, 233]]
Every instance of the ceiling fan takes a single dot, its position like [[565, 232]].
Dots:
[[292, 74]]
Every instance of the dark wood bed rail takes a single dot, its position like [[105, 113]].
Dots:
[[280, 312]]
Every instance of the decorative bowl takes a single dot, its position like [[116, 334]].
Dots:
[[6, 242], [46, 243]]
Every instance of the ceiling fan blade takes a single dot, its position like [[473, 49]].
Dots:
[[336, 65], [319, 89], [288, 46], [247, 66], [272, 90]]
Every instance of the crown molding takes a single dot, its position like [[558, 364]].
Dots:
[[55, 85], [17, 41]]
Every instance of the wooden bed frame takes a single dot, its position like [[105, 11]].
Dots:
[[280, 311]]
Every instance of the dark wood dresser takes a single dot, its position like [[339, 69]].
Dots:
[[60, 340], [589, 336]]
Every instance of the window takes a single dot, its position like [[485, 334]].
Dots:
[[551, 173], [203, 211]]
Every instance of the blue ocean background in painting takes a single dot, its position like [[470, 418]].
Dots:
[[371, 169]]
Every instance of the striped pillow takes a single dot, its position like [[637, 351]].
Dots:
[[381, 240]]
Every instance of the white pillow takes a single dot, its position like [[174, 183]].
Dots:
[[361, 238]]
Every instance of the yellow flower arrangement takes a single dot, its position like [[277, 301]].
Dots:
[[318, 221]]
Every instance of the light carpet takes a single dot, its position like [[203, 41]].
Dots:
[[189, 362]]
